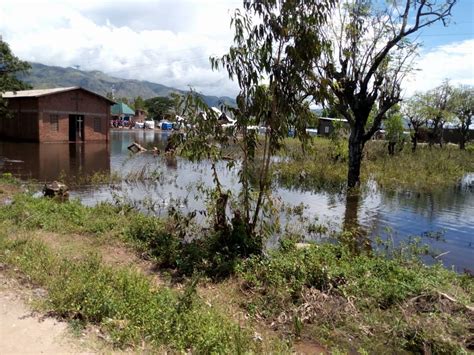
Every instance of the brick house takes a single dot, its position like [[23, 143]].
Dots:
[[70, 114]]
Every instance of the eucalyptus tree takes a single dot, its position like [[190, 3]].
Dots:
[[274, 44], [393, 125], [367, 59], [10, 67], [158, 107], [413, 112], [463, 109], [437, 108]]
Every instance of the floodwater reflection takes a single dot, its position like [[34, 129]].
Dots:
[[46, 162], [357, 236]]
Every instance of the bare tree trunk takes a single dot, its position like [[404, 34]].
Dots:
[[356, 147], [464, 136], [414, 138], [414, 141], [391, 148]]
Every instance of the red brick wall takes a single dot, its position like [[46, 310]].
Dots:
[[30, 119], [22, 123], [78, 102]]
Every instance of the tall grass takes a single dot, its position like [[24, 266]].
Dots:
[[323, 165]]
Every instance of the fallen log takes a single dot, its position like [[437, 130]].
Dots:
[[136, 148]]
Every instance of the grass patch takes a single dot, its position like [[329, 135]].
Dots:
[[324, 166], [8, 178], [28, 212], [361, 302], [124, 303]]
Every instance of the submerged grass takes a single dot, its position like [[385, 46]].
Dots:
[[323, 165]]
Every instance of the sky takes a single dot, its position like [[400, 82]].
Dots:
[[170, 41]]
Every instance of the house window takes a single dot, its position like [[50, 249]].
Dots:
[[97, 124], [54, 122], [326, 129]]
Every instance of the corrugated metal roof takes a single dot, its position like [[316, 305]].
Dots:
[[36, 93], [121, 108], [44, 92], [332, 119]]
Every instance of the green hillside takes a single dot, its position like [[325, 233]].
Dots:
[[45, 76]]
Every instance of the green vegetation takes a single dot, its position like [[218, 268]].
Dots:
[[124, 303], [364, 301], [325, 293], [320, 166], [8, 178], [29, 213], [166, 242], [10, 67]]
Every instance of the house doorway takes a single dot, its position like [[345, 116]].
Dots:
[[76, 128]]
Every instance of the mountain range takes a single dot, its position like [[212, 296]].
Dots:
[[44, 76]]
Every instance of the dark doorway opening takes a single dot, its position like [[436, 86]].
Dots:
[[76, 128]]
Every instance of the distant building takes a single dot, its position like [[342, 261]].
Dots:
[[122, 112], [70, 114], [140, 115], [326, 125]]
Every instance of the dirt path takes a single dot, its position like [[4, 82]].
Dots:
[[24, 332]]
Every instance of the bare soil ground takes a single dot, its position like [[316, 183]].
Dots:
[[23, 331]]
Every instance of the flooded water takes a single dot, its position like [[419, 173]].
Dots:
[[445, 219]]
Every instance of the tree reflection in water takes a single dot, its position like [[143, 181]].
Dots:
[[354, 235]]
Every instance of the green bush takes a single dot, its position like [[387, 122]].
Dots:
[[152, 237]]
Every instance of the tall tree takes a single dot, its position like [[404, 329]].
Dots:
[[159, 106], [463, 108], [369, 56], [274, 41], [393, 125], [10, 67], [436, 106], [139, 103], [412, 111]]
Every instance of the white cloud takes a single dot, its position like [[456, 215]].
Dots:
[[165, 41], [61, 34], [454, 61]]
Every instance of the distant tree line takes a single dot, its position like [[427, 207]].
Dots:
[[429, 112]]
